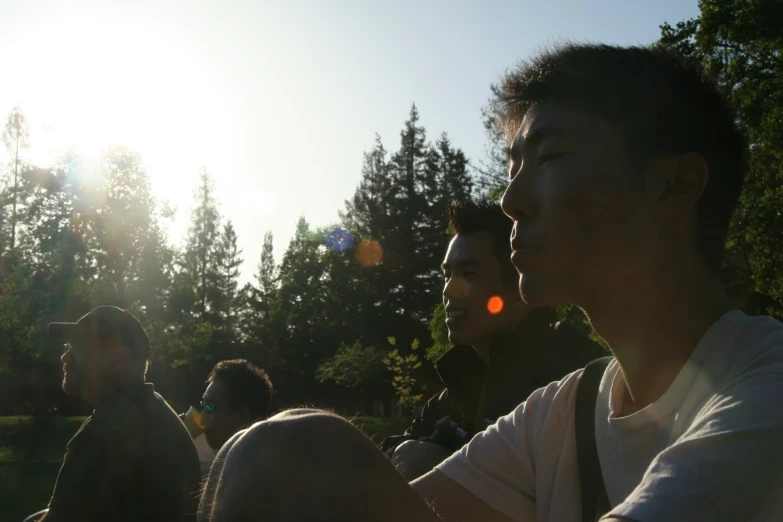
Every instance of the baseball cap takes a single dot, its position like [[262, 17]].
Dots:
[[106, 321]]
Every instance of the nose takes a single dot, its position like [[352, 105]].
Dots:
[[456, 288], [66, 357], [516, 199]]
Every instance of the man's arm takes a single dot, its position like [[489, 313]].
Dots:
[[453, 503]]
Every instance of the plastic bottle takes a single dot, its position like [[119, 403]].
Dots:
[[192, 421]]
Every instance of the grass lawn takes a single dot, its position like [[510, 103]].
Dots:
[[32, 448]]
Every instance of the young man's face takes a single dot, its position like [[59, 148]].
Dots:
[[582, 224], [472, 277], [220, 420]]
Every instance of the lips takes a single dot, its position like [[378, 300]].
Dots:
[[454, 314], [522, 250], [523, 246]]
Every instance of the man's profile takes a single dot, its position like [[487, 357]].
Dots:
[[626, 166], [504, 348], [132, 458]]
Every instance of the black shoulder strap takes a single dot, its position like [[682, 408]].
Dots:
[[595, 502]]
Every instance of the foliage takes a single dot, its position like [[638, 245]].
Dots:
[[740, 43], [439, 333], [357, 367], [403, 367]]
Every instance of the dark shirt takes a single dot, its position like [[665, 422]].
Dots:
[[539, 351], [131, 460]]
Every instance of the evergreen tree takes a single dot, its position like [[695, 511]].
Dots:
[[15, 137], [229, 261], [200, 259], [255, 325], [409, 173]]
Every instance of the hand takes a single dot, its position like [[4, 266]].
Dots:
[[414, 458]]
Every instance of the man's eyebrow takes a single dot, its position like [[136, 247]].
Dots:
[[540, 132], [461, 263], [532, 136]]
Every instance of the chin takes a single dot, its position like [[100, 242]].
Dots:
[[536, 292], [461, 340]]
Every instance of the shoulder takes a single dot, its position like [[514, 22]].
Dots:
[[763, 334], [755, 346], [547, 412]]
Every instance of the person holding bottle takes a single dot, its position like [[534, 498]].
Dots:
[[238, 394]]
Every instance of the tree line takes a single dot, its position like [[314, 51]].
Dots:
[[350, 318], [357, 294]]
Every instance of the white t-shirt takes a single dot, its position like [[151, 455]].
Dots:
[[205, 454], [710, 448]]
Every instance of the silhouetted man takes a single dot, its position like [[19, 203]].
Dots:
[[238, 394], [505, 349], [132, 459], [626, 166]]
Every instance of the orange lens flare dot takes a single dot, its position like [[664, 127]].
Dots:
[[369, 253], [495, 305]]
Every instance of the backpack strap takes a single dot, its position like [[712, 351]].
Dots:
[[595, 502]]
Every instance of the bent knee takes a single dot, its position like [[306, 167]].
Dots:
[[299, 412], [293, 428]]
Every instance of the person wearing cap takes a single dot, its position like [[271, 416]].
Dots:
[[132, 459]]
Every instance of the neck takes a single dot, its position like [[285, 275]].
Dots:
[[653, 325], [99, 393]]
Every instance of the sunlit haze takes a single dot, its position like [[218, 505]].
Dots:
[[277, 100]]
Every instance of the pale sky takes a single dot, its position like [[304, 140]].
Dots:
[[278, 99]]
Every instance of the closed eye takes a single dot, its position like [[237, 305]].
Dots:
[[546, 158]]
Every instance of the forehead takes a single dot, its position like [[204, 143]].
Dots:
[[547, 119], [215, 390], [471, 247]]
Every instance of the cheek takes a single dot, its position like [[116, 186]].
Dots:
[[590, 219]]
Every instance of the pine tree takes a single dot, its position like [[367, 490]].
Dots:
[[408, 171], [368, 212], [130, 250], [401, 203], [200, 253], [267, 270], [229, 260], [15, 137]]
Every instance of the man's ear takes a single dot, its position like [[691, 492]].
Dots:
[[676, 182]]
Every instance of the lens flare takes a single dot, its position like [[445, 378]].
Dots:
[[495, 305], [339, 240], [369, 253]]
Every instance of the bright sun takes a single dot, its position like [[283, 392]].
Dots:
[[89, 83]]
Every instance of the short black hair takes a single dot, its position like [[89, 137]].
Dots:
[[247, 385], [468, 216], [660, 102]]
